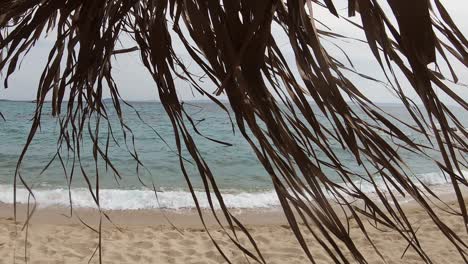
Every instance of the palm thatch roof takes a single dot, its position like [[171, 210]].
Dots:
[[232, 42]]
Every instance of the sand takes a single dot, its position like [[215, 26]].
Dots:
[[146, 237]]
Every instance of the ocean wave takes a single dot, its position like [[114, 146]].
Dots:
[[433, 179], [117, 199], [114, 199]]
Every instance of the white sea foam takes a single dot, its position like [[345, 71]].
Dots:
[[433, 179], [437, 182], [116, 199]]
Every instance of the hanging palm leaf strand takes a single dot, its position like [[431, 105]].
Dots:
[[233, 44]]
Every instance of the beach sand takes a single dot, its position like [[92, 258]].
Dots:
[[145, 236]]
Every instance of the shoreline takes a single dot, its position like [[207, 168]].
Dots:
[[178, 199], [58, 214], [145, 236]]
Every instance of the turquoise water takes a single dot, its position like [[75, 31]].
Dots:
[[235, 167]]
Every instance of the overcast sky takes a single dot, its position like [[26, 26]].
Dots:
[[136, 84]]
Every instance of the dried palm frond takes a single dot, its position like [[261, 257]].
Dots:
[[233, 44]]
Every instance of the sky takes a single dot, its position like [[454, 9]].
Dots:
[[137, 85]]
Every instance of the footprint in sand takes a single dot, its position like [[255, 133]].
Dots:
[[190, 251], [12, 235], [71, 255], [214, 255], [134, 257], [186, 242], [164, 244], [116, 256], [173, 235], [143, 244], [167, 259], [263, 239], [82, 249], [411, 258], [116, 236], [22, 243], [171, 252]]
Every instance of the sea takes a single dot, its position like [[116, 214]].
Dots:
[[158, 181]]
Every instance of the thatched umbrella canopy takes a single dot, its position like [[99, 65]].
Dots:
[[232, 42]]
